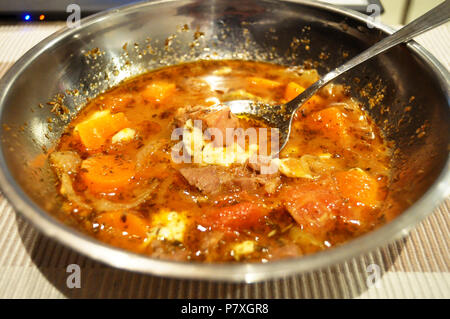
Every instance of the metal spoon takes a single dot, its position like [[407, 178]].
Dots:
[[280, 116]]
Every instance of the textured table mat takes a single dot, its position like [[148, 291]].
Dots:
[[34, 266]]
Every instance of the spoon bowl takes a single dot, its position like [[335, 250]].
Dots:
[[274, 116]]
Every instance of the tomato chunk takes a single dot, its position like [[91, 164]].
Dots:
[[313, 205], [237, 217]]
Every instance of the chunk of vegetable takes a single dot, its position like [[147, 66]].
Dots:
[[123, 136], [313, 206], [263, 83], [168, 225], [331, 122], [242, 95], [99, 127], [357, 186], [308, 241], [294, 167], [158, 91], [244, 248], [236, 217], [127, 224], [107, 173], [65, 162], [308, 77], [307, 166], [293, 89]]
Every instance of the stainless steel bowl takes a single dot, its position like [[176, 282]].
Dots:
[[262, 30]]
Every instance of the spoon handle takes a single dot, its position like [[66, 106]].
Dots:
[[429, 20]]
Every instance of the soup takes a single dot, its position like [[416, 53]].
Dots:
[[160, 166]]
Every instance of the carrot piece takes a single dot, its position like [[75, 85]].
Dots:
[[236, 217], [357, 186], [158, 91], [107, 173], [293, 89], [331, 121], [263, 83], [127, 224], [99, 127]]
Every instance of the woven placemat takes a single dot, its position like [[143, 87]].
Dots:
[[34, 266]]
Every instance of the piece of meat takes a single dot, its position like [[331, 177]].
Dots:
[[211, 180], [213, 119], [206, 179], [222, 120], [185, 113], [270, 182]]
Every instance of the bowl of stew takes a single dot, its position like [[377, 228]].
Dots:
[[117, 140]]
